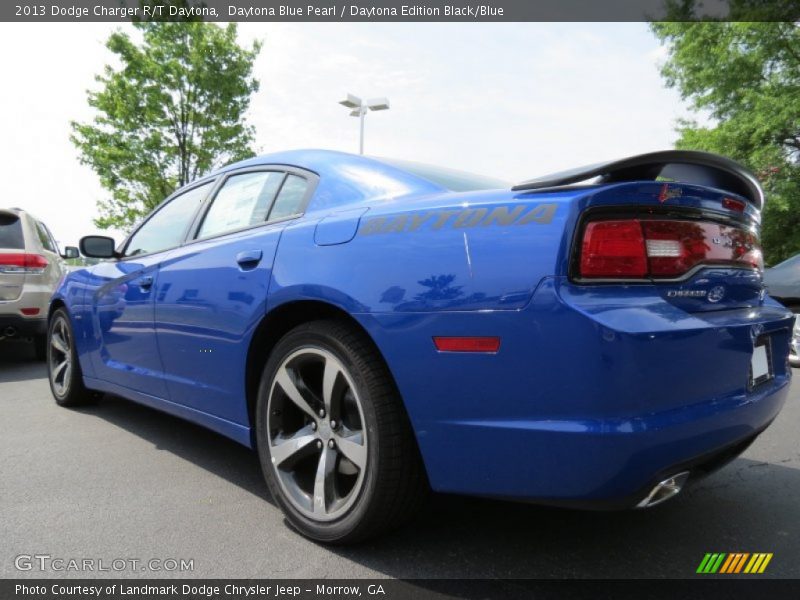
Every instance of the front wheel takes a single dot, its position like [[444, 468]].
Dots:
[[334, 441], [64, 371]]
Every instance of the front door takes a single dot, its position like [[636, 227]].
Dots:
[[213, 291], [122, 315], [122, 294]]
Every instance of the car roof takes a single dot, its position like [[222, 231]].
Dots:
[[345, 178], [322, 162]]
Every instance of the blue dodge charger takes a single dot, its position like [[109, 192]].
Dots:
[[376, 328]]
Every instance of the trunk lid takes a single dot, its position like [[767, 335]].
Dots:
[[699, 246], [694, 234]]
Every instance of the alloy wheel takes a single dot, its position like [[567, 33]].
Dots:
[[60, 357], [317, 434]]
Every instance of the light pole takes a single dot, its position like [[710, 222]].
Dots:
[[359, 108]]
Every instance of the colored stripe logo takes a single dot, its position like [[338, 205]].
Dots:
[[734, 562]]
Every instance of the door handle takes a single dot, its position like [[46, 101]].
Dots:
[[249, 259], [145, 283]]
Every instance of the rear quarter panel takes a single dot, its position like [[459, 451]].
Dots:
[[460, 252], [569, 385]]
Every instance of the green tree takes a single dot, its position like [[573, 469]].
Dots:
[[745, 76], [172, 111]]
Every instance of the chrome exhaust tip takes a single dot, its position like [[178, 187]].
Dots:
[[10, 332], [663, 491]]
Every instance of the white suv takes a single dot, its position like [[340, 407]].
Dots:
[[31, 267]]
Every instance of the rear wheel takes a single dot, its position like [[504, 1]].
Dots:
[[335, 444], [64, 371]]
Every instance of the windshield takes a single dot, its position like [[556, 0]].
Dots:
[[451, 179]]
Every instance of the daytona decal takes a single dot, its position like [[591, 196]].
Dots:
[[460, 218]]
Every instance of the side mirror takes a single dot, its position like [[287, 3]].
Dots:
[[98, 246], [70, 252]]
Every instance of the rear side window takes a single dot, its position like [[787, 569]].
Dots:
[[166, 228], [290, 199], [44, 237], [11, 232], [244, 200]]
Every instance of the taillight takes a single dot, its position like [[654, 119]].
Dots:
[[635, 248], [732, 204], [613, 249], [22, 263]]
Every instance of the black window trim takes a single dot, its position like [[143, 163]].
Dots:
[[312, 179], [167, 200], [217, 181]]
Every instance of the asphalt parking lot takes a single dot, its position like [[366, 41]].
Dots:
[[118, 480]]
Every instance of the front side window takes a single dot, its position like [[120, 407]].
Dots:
[[166, 227], [290, 199], [244, 200]]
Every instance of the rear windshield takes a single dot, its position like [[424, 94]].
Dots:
[[450, 179], [11, 232]]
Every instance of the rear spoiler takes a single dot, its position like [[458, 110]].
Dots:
[[687, 166]]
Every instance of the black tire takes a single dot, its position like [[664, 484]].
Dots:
[[394, 484], [66, 384], [40, 347]]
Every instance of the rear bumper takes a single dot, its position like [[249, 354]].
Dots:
[[593, 397], [18, 326], [611, 463]]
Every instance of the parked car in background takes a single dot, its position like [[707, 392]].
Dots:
[[374, 327], [31, 267], [794, 347], [783, 284]]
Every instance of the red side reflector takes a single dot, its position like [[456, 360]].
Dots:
[[467, 344], [29, 312]]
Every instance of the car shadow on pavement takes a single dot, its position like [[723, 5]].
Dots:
[[748, 506], [730, 511], [18, 363], [202, 447]]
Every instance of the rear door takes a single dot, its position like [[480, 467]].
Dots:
[[12, 248], [122, 300], [213, 291]]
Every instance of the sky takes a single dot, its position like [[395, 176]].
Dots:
[[511, 100]]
